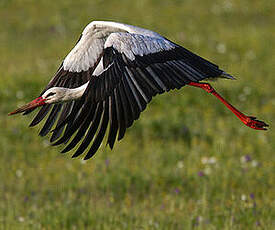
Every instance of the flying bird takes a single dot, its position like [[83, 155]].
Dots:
[[108, 79]]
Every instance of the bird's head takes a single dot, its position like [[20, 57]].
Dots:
[[51, 96], [54, 95]]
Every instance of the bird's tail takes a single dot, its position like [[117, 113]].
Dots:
[[226, 75]]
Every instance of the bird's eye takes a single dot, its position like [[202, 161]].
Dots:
[[50, 94]]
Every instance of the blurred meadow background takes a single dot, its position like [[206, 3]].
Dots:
[[187, 163]]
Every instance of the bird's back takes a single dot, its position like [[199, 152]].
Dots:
[[122, 26]]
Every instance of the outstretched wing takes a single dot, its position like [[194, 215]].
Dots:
[[75, 70], [132, 70]]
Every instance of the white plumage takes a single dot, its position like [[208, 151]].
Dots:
[[137, 44], [98, 35]]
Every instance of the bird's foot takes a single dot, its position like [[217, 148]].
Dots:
[[253, 123]]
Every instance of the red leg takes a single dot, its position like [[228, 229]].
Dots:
[[247, 120]]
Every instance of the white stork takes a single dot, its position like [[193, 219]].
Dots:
[[108, 79]]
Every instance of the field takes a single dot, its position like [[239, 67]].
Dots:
[[187, 163]]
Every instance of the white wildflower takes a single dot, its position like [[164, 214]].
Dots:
[[180, 164], [21, 219], [254, 163], [221, 48], [212, 160], [208, 160], [19, 173], [243, 197]]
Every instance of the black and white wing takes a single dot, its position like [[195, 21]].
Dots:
[[75, 70], [133, 68]]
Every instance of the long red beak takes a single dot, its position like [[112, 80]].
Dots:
[[33, 104]]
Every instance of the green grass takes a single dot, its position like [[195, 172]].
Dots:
[[151, 178]]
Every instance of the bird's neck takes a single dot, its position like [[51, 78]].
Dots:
[[76, 93]]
